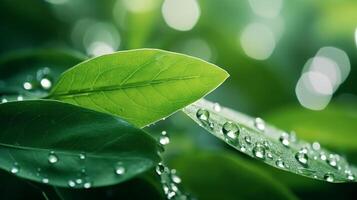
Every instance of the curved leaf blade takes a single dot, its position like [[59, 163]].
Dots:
[[68, 146], [141, 86], [272, 146]]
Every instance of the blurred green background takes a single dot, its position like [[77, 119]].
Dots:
[[292, 63]]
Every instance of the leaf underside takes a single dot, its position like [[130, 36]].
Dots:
[[141, 86], [265, 142], [58, 143]]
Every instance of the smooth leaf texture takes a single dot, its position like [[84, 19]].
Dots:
[[20, 67], [273, 146], [141, 86], [334, 126], [212, 175], [58, 143]]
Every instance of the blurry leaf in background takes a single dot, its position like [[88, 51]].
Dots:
[[75, 147], [334, 126], [219, 175], [141, 86], [31, 73]]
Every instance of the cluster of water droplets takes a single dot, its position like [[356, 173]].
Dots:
[[170, 182], [240, 136], [39, 83], [80, 178]]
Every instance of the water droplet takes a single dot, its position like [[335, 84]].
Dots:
[[46, 83], [230, 131], [202, 115], [79, 181], [164, 140], [269, 155], [323, 156], [284, 139], [52, 158], [82, 156], [259, 151], [27, 86], [87, 185], [248, 139], [316, 146], [349, 174], [160, 168], [302, 157], [259, 124], [163, 133], [174, 177], [217, 107], [329, 177], [120, 170], [332, 161], [71, 183], [45, 180], [15, 168], [242, 148], [20, 98], [3, 100], [280, 163]]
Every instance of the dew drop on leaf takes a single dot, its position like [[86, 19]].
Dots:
[[217, 107], [248, 139], [284, 139], [87, 185], [316, 146], [71, 183], [259, 151], [45, 180], [202, 115], [160, 168], [120, 170], [332, 160], [15, 168], [46, 83], [230, 131], [302, 157], [82, 156], [52, 158], [259, 124], [329, 177], [280, 163], [27, 86]]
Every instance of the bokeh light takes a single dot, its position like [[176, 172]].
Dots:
[[181, 15], [257, 41], [266, 8], [314, 90]]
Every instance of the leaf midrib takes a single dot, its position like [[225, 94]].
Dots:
[[87, 91]]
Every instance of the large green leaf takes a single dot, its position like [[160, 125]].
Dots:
[[64, 145], [141, 86], [31, 67], [273, 146], [224, 176]]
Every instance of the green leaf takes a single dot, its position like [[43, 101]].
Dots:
[[273, 146], [334, 126], [213, 175], [141, 86], [32, 66], [49, 141]]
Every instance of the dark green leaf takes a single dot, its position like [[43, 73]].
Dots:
[[141, 86], [58, 143]]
